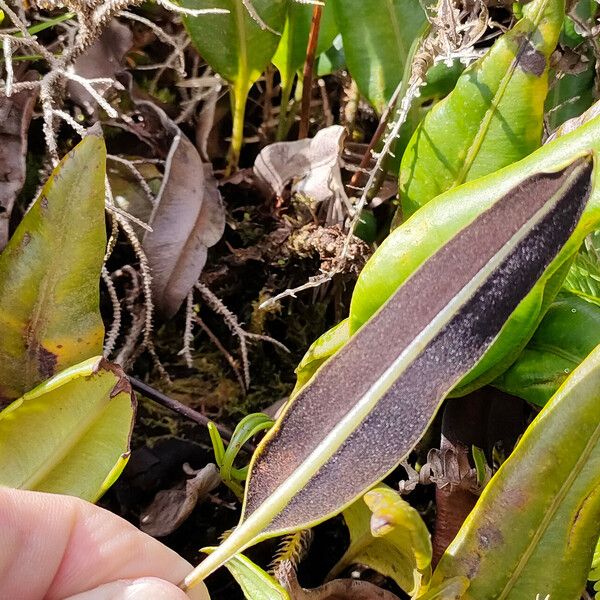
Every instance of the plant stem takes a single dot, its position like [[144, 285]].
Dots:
[[309, 64], [176, 406], [283, 127], [238, 110]]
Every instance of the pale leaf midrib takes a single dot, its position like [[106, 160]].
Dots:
[[402, 49], [485, 124], [68, 443], [556, 350]]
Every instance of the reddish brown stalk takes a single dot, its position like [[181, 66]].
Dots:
[[309, 64]]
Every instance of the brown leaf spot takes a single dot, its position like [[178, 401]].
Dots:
[[4, 400], [44, 202], [25, 241], [530, 59], [46, 362], [490, 537]]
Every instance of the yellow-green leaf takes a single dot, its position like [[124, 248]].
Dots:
[[594, 575], [50, 275], [255, 583], [450, 589], [388, 535], [535, 527], [70, 435], [494, 116]]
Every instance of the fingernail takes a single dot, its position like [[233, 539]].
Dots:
[[147, 588]]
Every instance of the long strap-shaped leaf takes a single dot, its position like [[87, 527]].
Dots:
[[367, 407]]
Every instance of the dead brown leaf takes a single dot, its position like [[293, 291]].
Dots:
[[312, 164], [188, 218], [15, 116], [170, 508], [104, 59], [338, 589]]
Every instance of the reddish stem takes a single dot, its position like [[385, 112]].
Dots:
[[309, 65]]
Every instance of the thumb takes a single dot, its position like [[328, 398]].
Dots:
[[141, 589]]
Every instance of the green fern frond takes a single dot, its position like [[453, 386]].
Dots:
[[292, 549], [583, 278]]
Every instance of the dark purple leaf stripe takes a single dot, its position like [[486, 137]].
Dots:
[[368, 406]]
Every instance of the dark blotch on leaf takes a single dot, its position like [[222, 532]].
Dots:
[[530, 59], [490, 537], [46, 362]]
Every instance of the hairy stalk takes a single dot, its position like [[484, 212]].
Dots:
[[113, 333], [234, 326]]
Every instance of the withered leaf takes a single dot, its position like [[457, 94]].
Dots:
[[15, 116], [314, 165], [104, 58], [170, 508], [188, 218], [338, 589]]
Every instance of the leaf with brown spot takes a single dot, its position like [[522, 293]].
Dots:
[[15, 116], [189, 218], [535, 527], [492, 118], [50, 273]]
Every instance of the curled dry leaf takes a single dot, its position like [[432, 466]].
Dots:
[[188, 218], [313, 164], [338, 589], [15, 116], [170, 508], [104, 59]]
